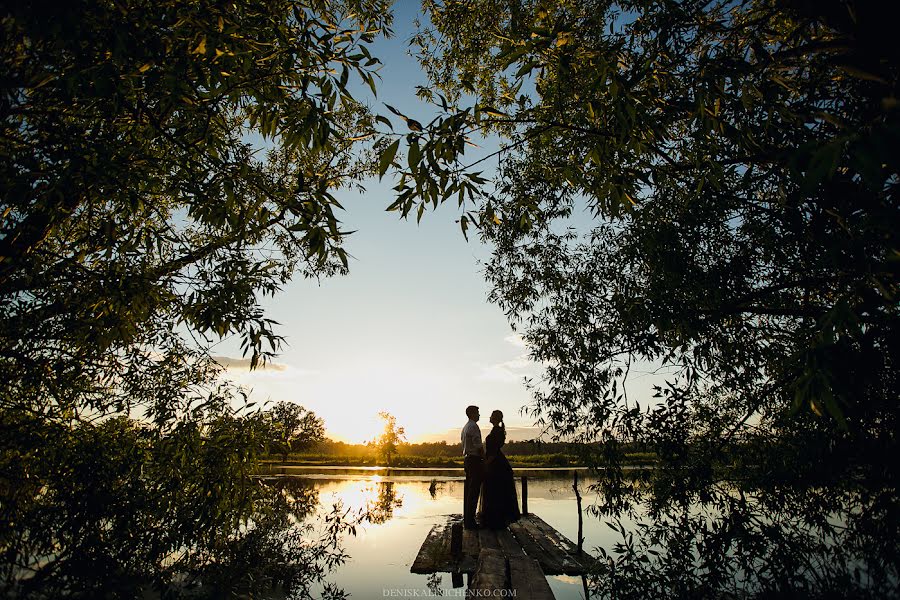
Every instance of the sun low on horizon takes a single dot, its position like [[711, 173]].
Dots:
[[428, 400]]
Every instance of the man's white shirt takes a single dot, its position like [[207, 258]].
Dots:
[[471, 439]]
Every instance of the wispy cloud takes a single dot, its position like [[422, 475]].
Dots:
[[513, 370], [243, 364], [515, 339], [510, 371]]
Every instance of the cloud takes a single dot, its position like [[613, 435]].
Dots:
[[243, 364], [510, 371], [515, 339], [513, 370]]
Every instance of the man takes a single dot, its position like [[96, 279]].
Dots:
[[473, 451]]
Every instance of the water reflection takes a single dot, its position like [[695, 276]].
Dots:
[[296, 497], [380, 508], [400, 511], [434, 488], [434, 584]]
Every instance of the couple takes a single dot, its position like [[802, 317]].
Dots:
[[488, 474]]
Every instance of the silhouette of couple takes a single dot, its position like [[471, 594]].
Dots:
[[488, 475]]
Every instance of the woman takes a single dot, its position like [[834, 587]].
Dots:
[[499, 503]]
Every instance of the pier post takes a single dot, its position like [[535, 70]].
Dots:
[[524, 495], [456, 539]]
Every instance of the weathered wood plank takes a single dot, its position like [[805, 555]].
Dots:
[[471, 546], [573, 563], [525, 536], [468, 559], [491, 574], [560, 561], [487, 538], [528, 580], [531, 535], [508, 543], [435, 551]]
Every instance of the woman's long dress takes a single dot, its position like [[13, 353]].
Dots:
[[499, 502]]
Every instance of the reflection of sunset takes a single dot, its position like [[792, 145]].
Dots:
[[353, 494], [384, 551]]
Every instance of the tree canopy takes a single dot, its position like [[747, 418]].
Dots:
[[165, 165], [292, 427], [390, 437], [704, 187], [709, 189]]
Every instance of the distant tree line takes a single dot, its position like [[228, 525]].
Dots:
[[542, 453]]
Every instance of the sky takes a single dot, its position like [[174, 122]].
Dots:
[[409, 330]]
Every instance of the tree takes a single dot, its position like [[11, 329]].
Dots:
[[387, 442], [294, 428], [709, 188], [164, 166]]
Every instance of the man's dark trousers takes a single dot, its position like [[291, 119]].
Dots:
[[472, 489]]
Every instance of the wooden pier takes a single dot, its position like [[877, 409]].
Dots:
[[517, 558]]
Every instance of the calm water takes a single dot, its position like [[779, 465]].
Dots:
[[406, 503]]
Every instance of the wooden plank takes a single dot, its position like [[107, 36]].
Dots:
[[471, 546], [564, 543], [491, 575], [573, 563], [531, 535], [435, 551], [508, 543], [525, 536], [561, 562], [467, 562], [487, 538], [527, 579]]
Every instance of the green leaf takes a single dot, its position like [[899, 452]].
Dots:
[[387, 157], [415, 154], [526, 68], [385, 120]]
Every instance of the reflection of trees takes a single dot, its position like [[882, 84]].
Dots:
[[295, 496], [381, 509], [435, 487], [129, 510], [277, 551], [775, 540], [434, 584]]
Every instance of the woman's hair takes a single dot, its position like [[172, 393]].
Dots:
[[502, 425]]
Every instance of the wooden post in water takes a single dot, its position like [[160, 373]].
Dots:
[[456, 543], [524, 495], [456, 579], [456, 536], [578, 502]]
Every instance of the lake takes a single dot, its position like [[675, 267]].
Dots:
[[406, 503]]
